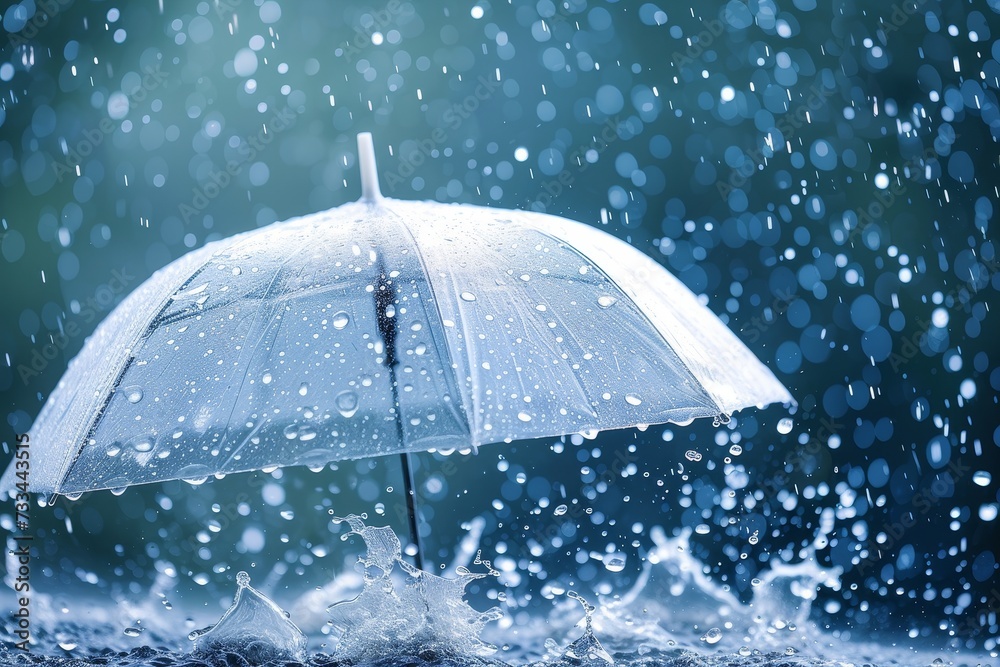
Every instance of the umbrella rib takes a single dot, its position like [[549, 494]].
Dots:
[[93, 426], [156, 320], [260, 306], [642, 313], [110, 391], [469, 419]]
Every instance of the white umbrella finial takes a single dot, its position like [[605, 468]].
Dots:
[[370, 191]]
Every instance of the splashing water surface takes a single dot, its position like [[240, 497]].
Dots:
[[674, 615], [424, 615], [254, 627]]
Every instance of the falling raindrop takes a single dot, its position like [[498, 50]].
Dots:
[[982, 478], [785, 425], [614, 562], [712, 636], [560, 510], [692, 455], [132, 631]]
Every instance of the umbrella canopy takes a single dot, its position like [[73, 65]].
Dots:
[[382, 327]]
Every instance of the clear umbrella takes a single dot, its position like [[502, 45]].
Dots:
[[384, 327]]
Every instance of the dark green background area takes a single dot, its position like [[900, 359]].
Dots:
[[760, 233]]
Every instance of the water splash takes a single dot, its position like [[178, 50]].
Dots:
[[786, 591], [254, 628], [587, 648], [425, 615]]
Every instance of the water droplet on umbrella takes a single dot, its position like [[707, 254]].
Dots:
[[468, 296], [242, 579], [347, 403], [712, 636], [304, 389], [118, 490], [785, 425], [692, 455], [341, 320], [74, 496], [291, 431], [114, 449], [524, 416], [266, 379], [132, 632], [194, 291], [143, 444], [633, 399], [67, 646], [133, 394], [237, 270], [606, 301]]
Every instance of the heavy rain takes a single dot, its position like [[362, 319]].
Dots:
[[454, 421]]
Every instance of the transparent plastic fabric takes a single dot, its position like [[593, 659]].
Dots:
[[271, 348]]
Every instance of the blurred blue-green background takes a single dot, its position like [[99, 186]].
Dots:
[[825, 174]]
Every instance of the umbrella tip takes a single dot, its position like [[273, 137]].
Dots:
[[370, 191]]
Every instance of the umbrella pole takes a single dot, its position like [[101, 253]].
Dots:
[[408, 485], [384, 295], [411, 509]]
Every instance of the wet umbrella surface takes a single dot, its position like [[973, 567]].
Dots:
[[384, 327]]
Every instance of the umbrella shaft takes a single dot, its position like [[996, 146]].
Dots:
[[411, 509]]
